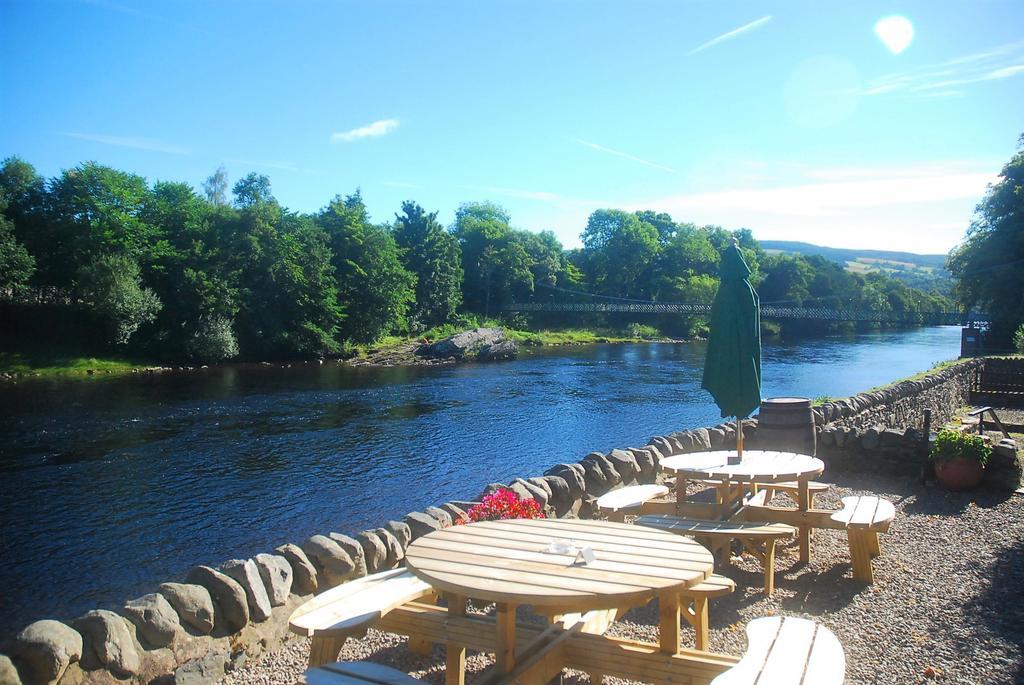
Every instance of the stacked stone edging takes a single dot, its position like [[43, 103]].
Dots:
[[192, 633], [903, 404]]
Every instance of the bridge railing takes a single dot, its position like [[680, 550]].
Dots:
[[767, 312]]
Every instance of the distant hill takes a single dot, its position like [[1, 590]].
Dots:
[[924, 271], [842, 255]]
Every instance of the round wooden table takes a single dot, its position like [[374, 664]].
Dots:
[[506, 562], [756, 466]]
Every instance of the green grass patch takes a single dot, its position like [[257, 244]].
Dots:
[[578, 336], [936, 367], [56, 364]]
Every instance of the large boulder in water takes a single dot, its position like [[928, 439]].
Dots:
[[482, 344]]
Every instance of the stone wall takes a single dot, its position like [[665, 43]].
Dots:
[[191, 633], [902, 404]]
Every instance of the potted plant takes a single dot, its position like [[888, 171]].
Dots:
[[959, 459]]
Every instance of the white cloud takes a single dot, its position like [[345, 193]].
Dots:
[[757, 23], [940, 80], [130, 141], [1005, 72], [625, 155], [948, 168], [374, 130], [922, 208], [833, 198]]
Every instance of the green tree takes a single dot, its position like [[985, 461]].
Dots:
[[622, 251], [787, 280], [432, 254], [252, 190], [988, 266], [662, 223], [495, 262], [16, 264], [192, 277], [375, 288], [25, 194], [94, 210], [288, 297], [112, 286]]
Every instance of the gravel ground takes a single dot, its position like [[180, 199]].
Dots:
[[945, 606]]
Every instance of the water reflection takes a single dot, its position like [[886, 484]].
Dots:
[[120, 483]]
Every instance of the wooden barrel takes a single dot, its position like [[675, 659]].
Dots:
[[786, 424]]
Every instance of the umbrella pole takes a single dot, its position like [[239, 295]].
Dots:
[[739, 437]]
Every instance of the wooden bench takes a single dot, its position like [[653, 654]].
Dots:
[[758, 538], [617, 503], [864, 517], [694, 605], [350, 608], [358, 673], [788, 651], [789, 487]]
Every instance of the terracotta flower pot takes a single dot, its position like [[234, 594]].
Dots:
[[959, 473]]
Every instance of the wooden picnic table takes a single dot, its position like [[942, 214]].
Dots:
[[755, 467], [506, 562]]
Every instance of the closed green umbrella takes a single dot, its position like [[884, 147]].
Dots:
[[732, 368]]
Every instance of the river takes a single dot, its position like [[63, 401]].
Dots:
[[109, 486]]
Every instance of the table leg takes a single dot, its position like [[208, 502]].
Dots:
[[504, 651], [324, 649], [700, 622], [803, 502], [680, 491], [455, 655], [668, 622]]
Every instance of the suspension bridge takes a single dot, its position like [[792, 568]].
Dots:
[[588, 302]]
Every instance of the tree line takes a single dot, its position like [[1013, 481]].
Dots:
[[166, 270], [988, 267]]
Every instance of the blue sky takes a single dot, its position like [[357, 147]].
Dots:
[[792, 119]]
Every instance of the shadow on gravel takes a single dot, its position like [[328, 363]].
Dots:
[[934, 501], [999, 607], [819, 593], [875, 483]]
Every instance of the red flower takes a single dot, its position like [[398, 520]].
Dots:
[[503, 504]]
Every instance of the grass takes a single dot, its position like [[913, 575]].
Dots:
[[936, 367], [48, 363], [567, 336], [572, 337]]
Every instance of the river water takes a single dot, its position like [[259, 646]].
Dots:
[[110, 486]]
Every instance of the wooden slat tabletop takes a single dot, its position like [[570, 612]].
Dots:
[[755, 466], [506, 561]]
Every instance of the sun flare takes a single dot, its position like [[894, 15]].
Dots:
[[895, 32]]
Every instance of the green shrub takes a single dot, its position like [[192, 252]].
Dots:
[[950, 444], [213, 341], [1018, 339], [639, 330]]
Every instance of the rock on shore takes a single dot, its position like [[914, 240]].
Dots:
[[481, 344]]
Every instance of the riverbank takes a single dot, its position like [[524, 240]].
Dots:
[[391, 351], [50, 364]]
